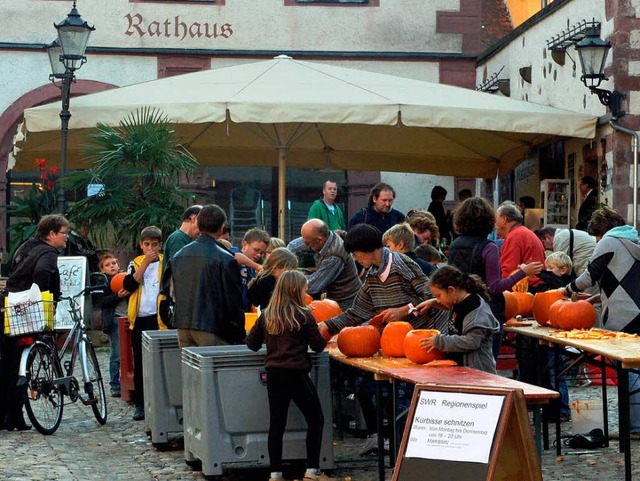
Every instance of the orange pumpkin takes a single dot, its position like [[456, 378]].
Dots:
[[359, 341], [569, 314], [554, 312], [117, 282], [518, 303], [324, 309], [542, 302], [307, 299], [522, 285], [393, 338], [412, 348]]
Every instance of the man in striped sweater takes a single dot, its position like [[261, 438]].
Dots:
[[393, 285]]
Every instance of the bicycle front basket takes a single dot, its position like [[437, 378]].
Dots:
[[28, 317]]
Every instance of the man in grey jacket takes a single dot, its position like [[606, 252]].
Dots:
[[336, 272]]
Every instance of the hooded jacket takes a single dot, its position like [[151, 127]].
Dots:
[[35, 262], [615, 266], [476, 339]]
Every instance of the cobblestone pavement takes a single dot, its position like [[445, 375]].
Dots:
[[82, 450]]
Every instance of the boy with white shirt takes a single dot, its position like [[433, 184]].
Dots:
[[143, 282]]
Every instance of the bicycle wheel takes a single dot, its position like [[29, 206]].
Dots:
[[42, 397], [93, 385]]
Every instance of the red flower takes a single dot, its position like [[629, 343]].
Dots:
[[41, 163], [54, 170]]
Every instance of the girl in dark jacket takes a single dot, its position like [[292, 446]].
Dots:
[[289, 329], [260, 290]]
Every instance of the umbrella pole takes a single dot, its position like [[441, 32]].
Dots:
[[282, 190]]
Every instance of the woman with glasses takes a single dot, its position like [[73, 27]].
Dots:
[[35, 262]]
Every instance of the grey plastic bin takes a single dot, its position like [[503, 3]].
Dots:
[[162, 384], [226, 410]]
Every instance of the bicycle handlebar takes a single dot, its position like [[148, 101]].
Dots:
[[84, 292]]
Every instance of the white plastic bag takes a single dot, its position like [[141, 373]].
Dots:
[[25, 311]]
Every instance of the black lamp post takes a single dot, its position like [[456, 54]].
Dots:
[[593, 52], [66, 55]]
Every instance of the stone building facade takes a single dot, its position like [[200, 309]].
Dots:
[[533, 73]]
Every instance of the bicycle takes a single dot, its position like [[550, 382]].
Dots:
[[47, 377]]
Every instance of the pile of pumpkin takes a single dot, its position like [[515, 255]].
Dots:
[[550, 308], [398, 339]]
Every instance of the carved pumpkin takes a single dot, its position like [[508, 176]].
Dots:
[[542, 302], [573, 314], [324, 309], [117, 282], [522, 285], [359, 341], [393, 338], [518, 303], [414, 352]]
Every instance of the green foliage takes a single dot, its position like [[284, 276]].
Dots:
[[140, 164]]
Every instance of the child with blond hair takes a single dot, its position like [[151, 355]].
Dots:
[[558, 273], [289, 330], [261, 288]]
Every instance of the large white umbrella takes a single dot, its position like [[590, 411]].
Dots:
[[305, 114]]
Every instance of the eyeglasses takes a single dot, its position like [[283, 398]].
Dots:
[[63, 232]]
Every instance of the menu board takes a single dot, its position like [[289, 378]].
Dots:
[[73, 277]]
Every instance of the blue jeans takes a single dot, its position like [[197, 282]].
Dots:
[[114, 356], [562, 386], [634, 403]]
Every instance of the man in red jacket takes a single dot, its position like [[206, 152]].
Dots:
[[521, 245]]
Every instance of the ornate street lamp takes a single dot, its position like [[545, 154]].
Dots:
[[593, 52], [66, 55]]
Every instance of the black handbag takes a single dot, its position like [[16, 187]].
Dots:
[[592, 440]]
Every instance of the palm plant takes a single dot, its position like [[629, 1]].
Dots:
[[139, 164]]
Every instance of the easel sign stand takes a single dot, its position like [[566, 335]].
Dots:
[[467, 434]]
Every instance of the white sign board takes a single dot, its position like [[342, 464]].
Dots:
[[73, 275], [454, 426], [94, 189]]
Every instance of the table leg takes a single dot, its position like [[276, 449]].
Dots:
[[623, 414], [556, 384], [605, 400], [537, 433], [392, 422], [545, 433], [380, 412], [338, 386]]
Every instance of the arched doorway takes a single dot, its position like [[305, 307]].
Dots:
[[12, 117]]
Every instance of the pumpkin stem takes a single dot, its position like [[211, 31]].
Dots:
[[574, 297]]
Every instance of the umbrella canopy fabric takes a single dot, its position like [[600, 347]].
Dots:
[[319, 116], [304, 114]]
